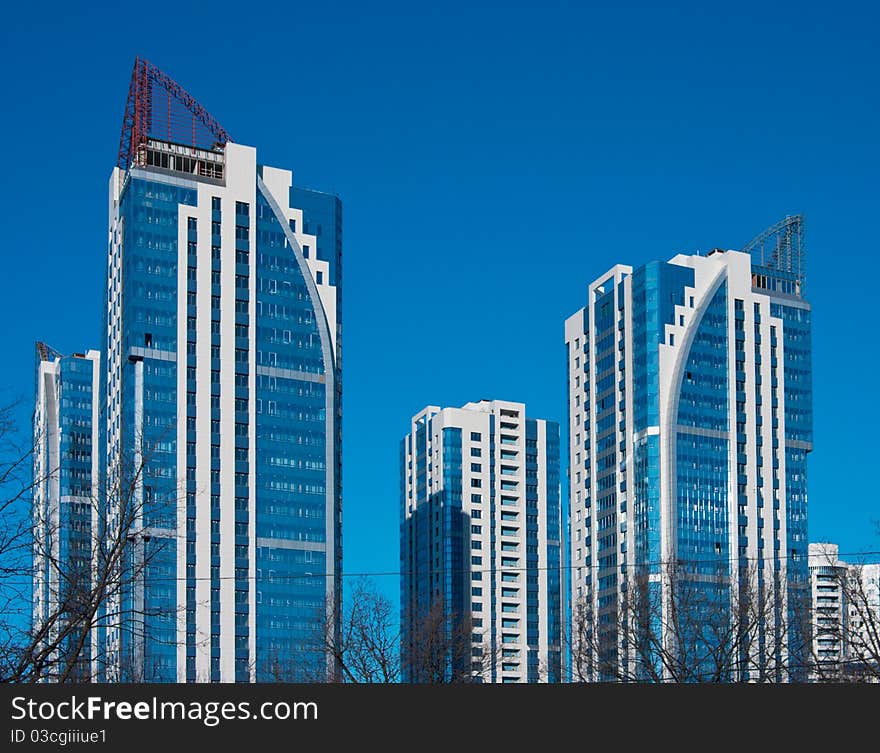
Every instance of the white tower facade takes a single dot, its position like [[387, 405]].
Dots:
[[481, 539]]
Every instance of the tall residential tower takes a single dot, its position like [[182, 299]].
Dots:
[[65, 509], [222, 399], [481, 545], [690, 421]]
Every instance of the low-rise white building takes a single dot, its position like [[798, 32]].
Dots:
[[845, 615]]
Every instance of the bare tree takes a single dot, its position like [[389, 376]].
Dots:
[[370, 646], [366, 648], [845, 645], [95, 610], [352, 640], [16, 483], [370, 637], [442, 646], [861, 592], [683, 624]]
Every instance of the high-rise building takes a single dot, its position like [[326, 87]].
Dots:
[[689, 396], [222, 399], [481, 545], [65, 508], [845, 617]]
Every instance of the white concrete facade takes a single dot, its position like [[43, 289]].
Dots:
[[845, 612], [56, 400], [499, 572], [755, 534], [243, 181]]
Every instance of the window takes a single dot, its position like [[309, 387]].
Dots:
[[320, 276], [242, 209], [475, 436], [476, 452], [476, 468], [215, 203], [306, 251]]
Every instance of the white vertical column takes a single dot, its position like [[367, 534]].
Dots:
[[543, 562], [626, 517], [137, 503], [202, 213], [181, 410], [252, 446], [94, 528], [227, 421]]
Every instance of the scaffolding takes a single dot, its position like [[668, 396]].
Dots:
[[47, 352], [780, 248], [159, 108]]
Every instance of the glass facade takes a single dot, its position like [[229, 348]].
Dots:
[[702, 523], [434, 551], [145, 469], [65, 504], [291, 454], [223, 384], [797, 397], [679, 386], [555, 584], [480, 540]]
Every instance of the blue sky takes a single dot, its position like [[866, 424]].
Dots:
[[492, 159]]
